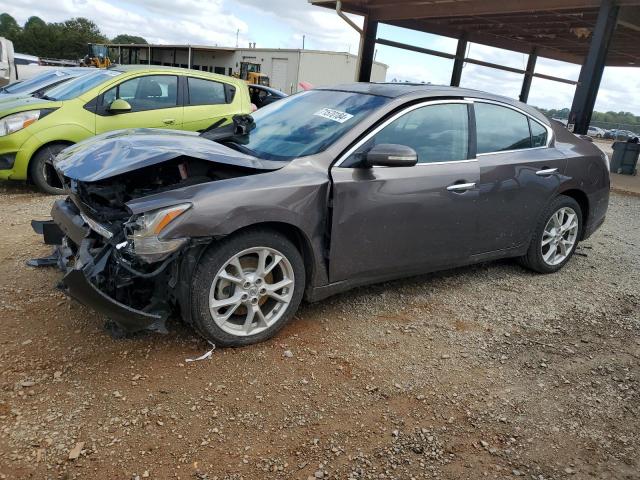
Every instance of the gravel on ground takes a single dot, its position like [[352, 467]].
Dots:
[[488, 371]]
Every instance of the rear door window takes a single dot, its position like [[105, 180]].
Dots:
[[206, 92], [500, 129]]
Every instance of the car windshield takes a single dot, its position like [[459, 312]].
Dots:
[[80, 85], [35, 82], [307, 123]]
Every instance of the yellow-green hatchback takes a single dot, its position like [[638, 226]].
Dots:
[[33, 130]]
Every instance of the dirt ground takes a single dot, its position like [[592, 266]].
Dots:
[[482, 372]]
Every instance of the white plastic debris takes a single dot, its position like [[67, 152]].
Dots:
[[204, 356]]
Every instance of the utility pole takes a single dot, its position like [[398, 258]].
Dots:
[[237, 35], [303, 36]]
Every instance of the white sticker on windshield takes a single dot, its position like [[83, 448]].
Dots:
[[335, 115]]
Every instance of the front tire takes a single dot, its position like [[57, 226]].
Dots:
[[556, 236], [247, 287], [42, 172]]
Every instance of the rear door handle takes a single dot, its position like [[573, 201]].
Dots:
[[461, 187], [169, 121], [546, 172]]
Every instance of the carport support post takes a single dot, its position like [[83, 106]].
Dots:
[[593, 67], [458, 63], [369, 35], [528, 75]]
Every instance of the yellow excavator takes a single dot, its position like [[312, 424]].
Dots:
[[250, 73], [97, 56]]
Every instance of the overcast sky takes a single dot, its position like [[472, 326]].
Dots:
[[282, 23]]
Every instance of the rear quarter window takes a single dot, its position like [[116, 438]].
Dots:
[[538, 134]]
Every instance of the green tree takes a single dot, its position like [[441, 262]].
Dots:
[[125, 38], [625, 120], [38, 38], [9, 28], [66, 40], [75, 35]]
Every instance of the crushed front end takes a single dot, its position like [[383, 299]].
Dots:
[[118, 262], [119, 267], [128, 262]]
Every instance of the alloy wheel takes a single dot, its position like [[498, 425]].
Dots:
[[559, 236], [252, 291]]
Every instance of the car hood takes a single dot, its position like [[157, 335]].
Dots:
[[4, 97], [122, 151], [14, 103]]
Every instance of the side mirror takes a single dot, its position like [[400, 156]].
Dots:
[[391, 155], [119, 106]]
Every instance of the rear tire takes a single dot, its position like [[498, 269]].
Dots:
[[246, 288], [555, 237], [42, 172]]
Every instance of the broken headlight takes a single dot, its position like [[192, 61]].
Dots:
[[18, 121], [147, 228]]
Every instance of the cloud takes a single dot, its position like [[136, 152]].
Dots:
[[323, 29], [181, 21], [282, 23]]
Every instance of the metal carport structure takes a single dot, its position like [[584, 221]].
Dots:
[[591, 33]]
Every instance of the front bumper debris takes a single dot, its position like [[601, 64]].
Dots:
[[88, 261], [130, 319]]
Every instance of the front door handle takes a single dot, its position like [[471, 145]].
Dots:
[[461, 187], [169, 121], [546, 172]]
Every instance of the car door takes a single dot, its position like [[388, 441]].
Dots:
[[519, 174], [395, 221], [207, 102], [154, 101]]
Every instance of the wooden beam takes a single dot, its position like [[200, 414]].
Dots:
[[630, 18], [369, 34], [528, 76], [422, 9], [490, 40], [463, 59], [413, 48], [592, 68], [458, 63]]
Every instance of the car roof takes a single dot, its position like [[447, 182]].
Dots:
[[424, 91], [184, 71], [142, 68]]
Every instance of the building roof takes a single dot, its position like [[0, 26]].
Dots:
[[560, 29], [210, 48]]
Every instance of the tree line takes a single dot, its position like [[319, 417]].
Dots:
[[66, 40], [609, 118]]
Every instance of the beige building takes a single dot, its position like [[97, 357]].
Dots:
[[286, 68]]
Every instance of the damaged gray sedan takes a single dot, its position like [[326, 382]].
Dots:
[[318, 193]]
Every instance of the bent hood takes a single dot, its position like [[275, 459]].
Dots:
[[14, 103], [122, 151]]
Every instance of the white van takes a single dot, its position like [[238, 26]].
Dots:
[[7, 65]]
